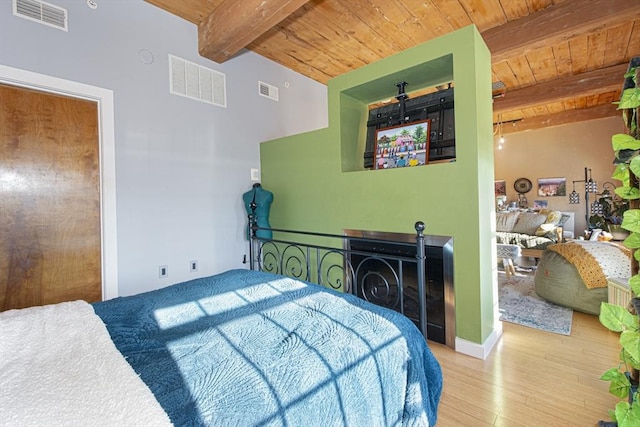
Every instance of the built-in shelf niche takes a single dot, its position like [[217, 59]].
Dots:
[[354, 103]]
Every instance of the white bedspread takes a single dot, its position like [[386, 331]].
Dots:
[[59, 367]]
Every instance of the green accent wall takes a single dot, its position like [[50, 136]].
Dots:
[[320, 184]]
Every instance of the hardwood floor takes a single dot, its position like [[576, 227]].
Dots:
[[531, 378]]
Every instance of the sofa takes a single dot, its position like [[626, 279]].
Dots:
[[531, 230]]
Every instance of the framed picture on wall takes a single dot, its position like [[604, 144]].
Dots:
[[539, 204], [402, 146], [500, 188], [548, 187]]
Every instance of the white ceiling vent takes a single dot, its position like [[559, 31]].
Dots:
[[268, 91], [197, 82], [39, 11]]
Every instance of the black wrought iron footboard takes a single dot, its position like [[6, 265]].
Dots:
[[335, 261]]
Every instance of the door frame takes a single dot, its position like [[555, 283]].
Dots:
[[106, 135]]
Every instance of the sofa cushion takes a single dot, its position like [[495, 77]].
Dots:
[[506, 220], [528, 223], [525, 241]]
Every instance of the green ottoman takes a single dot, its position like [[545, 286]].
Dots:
[[558, 281]]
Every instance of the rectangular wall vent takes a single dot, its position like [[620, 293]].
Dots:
[[268, 90], [197, 82], [39, 11]]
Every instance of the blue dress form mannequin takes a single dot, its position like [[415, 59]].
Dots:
[[262, 200]]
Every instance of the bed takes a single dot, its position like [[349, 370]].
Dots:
[[575, 274], [241, 348]]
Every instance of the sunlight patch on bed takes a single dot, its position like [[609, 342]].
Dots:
[[181, 314], [177, 315], [287, 284], [227, 301]]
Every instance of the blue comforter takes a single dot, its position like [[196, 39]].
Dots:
[[246, 348]]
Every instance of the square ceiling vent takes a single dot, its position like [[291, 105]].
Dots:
[[42, 12]]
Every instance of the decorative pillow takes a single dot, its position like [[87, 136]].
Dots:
[[553, 217], [548, 228], [506, 220], [528, 223]]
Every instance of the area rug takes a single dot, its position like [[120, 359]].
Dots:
[[519, 304]]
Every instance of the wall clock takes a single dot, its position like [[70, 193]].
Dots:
[[522, 185]]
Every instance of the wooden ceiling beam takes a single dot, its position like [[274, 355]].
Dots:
[[555, 24], [233, 24], [565, 117], [193, 11], [585, 84]]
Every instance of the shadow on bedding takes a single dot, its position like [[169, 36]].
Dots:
[[254, 349]]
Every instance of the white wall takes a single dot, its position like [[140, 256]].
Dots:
[[181, 165]]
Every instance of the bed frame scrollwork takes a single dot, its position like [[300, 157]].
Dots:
[[330, 261]]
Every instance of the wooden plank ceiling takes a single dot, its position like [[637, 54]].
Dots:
[[560, 61]]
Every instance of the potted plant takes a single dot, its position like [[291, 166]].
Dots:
[[614, 220], [624, 377], [613, 209]]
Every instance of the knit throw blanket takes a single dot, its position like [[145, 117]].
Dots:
[[595, 261]]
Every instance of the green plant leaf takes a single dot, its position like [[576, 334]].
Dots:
[[634, 284], [631, 74], [630, 98], [634, 166], [621, 172], [615, 318], [630, 361], [629, 193], [632, 241], [630, 341], [631, 220], [619, 384], [612, 374], [628, 415], [622, 141]]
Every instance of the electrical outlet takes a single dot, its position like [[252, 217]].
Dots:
[[255, 174], [163, 271], [193, 266]]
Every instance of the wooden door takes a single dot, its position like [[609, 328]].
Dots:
[[50, 245]]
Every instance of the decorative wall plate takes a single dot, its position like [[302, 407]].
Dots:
[[522, 185]]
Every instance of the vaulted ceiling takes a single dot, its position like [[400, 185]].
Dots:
[[553, 61]]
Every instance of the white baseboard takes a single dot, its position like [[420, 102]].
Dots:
[[480, 351]]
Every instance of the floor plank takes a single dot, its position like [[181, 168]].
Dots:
[[531, 378]]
